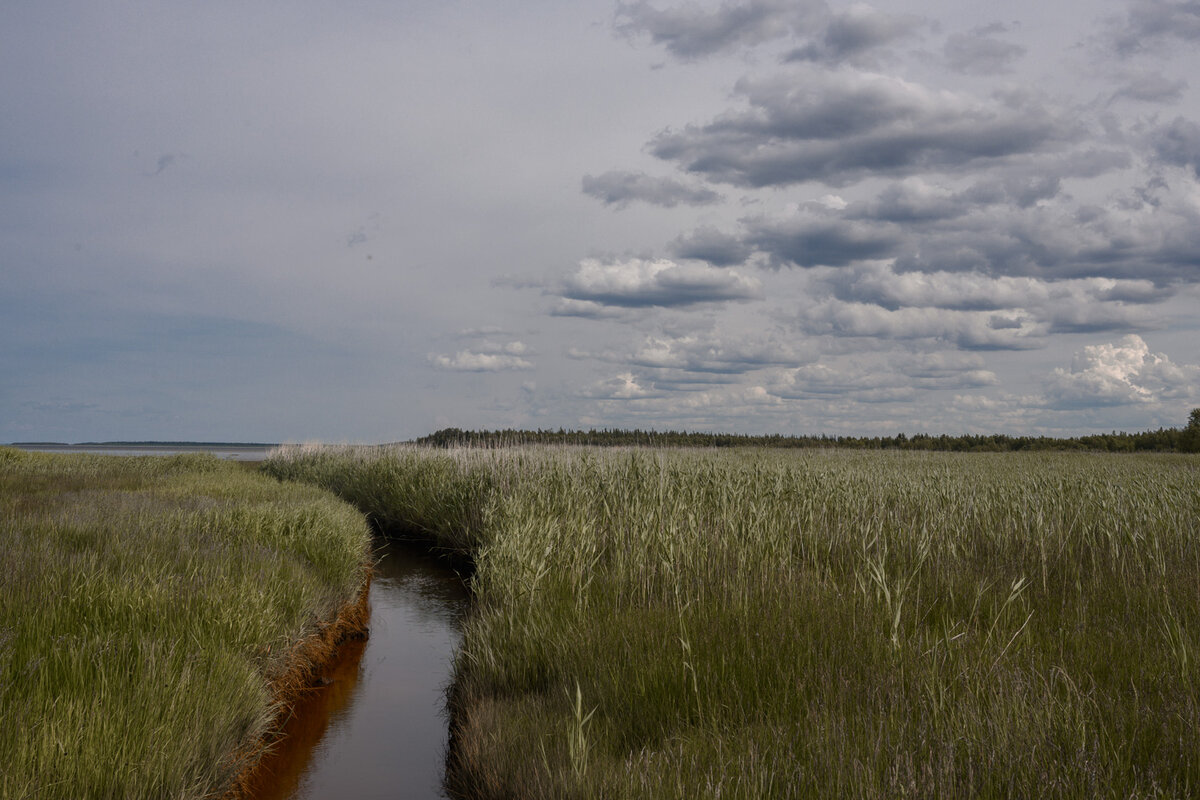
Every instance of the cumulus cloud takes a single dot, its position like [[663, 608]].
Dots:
[[1128, 238], [979, 52], [585, 309], [863, 384], [636, 283], [1178, 144], [890, 376], [920, 201], [1150, 87], [969, 330], [619, 189], [486, 357], [1120, 373], [806, 241], [945, 370], [839, 127], [972, 291], [1016, 223], [910, 201], [971, 310], [713, 352], [709, 244], [852, 34], [625, 386], [1150, 24], [690, 31]]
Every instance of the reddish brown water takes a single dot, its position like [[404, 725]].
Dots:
[[378, 728]]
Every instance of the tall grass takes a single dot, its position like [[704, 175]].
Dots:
[[673, 624], [146, 604]]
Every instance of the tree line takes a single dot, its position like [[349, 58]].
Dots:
[[1163, 440]]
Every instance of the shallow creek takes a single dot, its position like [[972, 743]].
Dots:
[[378, 726]]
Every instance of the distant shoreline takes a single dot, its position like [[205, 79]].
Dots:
[[144, 444], [232, 451]]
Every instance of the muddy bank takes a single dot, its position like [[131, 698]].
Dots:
[[303, 669], [372, 721]]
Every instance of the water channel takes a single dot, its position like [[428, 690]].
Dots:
[[377, 728]]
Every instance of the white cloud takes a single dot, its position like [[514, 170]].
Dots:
[[486, 357], [877, 282], [971, 330], [637, 282], [713, 353], [1120, 373], [587, 309], [625, 386]]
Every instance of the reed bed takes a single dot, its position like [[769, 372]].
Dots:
[[146, 606], [681, 624]]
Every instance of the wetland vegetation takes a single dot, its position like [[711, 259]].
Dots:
[[649, 623], [746, 623], [151, 612]]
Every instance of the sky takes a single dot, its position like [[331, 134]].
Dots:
[[365, 221]]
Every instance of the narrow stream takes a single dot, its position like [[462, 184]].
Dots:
[[378, 728]]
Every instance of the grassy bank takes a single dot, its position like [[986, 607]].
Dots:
[[679, 624], [146, 607]]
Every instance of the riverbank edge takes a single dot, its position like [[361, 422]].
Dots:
[[304, 663]]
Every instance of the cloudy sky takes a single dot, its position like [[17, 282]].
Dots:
[[365, 221]]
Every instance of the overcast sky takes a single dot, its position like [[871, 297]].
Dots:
[[365, 221]]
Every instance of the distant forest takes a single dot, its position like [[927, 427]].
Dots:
[[1163, 440]]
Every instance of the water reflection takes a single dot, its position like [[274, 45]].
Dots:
[[378, 729]]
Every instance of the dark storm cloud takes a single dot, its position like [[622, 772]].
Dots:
[[1149, 24], [1178, 144], [619, 189], [980, 53], [851, 35], [711, 245], [690, 31], [841, 127]]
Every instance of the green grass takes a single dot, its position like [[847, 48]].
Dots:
[[145, 604], [675, 624]]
